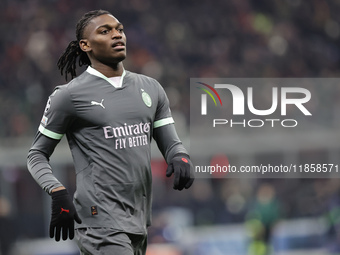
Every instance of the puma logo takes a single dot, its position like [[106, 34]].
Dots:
[[100, 104], [64, 210]]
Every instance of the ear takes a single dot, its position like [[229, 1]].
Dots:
[[84, 45]]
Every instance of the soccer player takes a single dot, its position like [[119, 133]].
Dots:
[[109, 116]]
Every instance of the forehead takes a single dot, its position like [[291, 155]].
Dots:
[[105, 19]]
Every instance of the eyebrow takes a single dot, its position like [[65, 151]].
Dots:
[[109, 25]]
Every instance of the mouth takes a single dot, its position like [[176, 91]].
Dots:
[[119, 45]]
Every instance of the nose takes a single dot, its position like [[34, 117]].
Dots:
[[116, 34]]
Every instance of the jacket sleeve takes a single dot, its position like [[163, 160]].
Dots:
[[38, 162], [164, 131], [54, 124], [168, 142]]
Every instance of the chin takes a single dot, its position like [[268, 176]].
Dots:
[[120, 57]]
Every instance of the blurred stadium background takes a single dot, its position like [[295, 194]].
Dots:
[[173, 41]]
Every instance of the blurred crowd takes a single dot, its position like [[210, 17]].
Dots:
[[173, 41], [168, 40]]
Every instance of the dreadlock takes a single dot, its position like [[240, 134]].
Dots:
[[67, 61]]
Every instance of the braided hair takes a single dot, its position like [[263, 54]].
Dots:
[[67, 61]]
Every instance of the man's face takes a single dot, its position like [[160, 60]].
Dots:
[[104, 40]]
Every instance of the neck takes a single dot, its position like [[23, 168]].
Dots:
[[109, 71]]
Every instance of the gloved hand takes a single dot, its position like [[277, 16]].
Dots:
[[182, 168], [63, 215]]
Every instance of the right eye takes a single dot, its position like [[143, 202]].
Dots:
[[104, 32]]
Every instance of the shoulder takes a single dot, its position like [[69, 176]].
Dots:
[[63, 92], [150, 85], [75, 83], [146, 80], [73, 87]]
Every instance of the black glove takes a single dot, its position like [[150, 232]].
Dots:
[[63, 215], [180, 165]]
